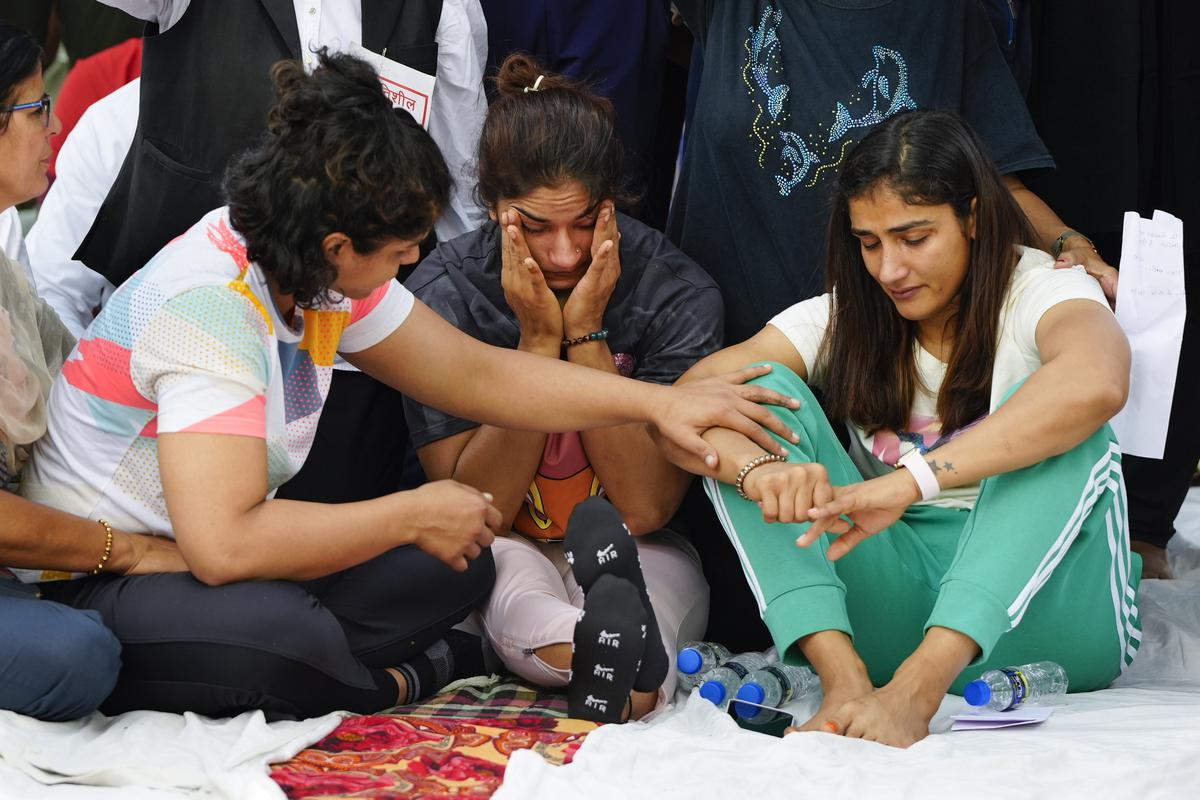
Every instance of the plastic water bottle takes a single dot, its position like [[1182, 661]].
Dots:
[[697, 658], [774, 685], [1040, 683], [719, 684]]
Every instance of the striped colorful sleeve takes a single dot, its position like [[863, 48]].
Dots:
[[204, 359]]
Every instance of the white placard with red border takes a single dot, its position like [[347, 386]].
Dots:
[[406, 87]]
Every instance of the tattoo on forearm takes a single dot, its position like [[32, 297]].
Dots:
[[948, 466]]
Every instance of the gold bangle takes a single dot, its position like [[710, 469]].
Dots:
[[757, 461], [108, 539]]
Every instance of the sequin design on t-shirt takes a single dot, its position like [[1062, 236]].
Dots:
[[799, 158]]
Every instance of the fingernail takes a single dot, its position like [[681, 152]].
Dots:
[[796, 437], [794, 403], [831, 726]]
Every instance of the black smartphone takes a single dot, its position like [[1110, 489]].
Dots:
[[760, 718]]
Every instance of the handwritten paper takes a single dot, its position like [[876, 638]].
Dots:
[[987, 720], [406, 87], [1151, 308]]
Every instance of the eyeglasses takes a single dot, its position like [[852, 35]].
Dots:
[[43, 105]]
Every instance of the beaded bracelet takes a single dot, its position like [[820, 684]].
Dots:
[[757, 461], [108, 540], [594, 336]]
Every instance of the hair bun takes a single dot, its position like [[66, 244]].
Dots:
[[520, 71]]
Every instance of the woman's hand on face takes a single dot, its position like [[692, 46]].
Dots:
[[871, 505], [583, 312], [525, 290], [144, 554], [453, 522], [721, 401]]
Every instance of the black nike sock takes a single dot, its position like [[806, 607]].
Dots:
[[607, 648], [598, 543], [456, 655]]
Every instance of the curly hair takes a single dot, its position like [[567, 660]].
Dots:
[[336, 158], [20, 58], [560, 132]]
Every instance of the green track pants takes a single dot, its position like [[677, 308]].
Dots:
[[1040, 569]]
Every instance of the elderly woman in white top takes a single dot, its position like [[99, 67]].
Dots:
[[56, 663]]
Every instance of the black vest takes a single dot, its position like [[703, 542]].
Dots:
[[205, 95]]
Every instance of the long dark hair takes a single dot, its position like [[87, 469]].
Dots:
[[20, 58], [336, 157], [926, 158], [560, 132]]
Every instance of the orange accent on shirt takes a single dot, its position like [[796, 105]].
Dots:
[[563, 480]]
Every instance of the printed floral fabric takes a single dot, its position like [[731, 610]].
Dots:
[[433, 750]]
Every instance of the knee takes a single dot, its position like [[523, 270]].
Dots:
[[65, 667], [781, 378]]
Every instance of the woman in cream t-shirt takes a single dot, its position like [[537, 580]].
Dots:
[[959, 355]]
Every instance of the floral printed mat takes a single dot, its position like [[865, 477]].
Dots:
[[455, 745]]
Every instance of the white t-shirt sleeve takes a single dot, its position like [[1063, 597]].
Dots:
[[375, 317], [459, 106], [88, 165], [204, 361], [164, 12], [1042, 289], [804, 324]]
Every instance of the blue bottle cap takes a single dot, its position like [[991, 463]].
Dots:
[[713, 692], [977, 693], [753, 693], [689, 661]]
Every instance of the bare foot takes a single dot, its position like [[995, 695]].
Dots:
[[843, 674], [836, 695], [893, 715], [1154, 560]]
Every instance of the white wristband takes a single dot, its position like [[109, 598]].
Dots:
[[927, 482]]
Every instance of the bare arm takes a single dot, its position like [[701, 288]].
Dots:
[[497, 460], [644, 486], [769, 344], [440, 366], [1075, 249], [215, 486], [34, 536], [1082, 383]]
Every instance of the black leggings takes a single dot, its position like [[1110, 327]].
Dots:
[[294, 650]]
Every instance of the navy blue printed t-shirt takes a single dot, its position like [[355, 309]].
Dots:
[[664, 315], [788, 87]]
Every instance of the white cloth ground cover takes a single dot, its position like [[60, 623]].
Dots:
[[1140, 738], [149, 755]]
